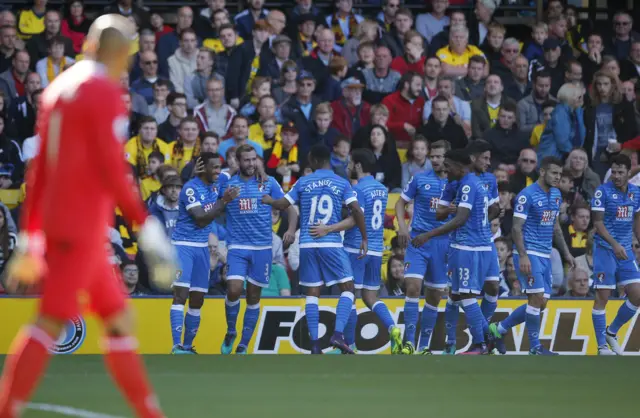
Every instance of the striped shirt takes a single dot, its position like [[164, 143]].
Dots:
[[372, 197], [539, 209]]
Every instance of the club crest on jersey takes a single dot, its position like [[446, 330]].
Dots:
[[601, 277], [615, 196], [466, 189], [598, 194], [261, 187], [557, 200], [406, 266], [178, 274], [522, 200], [531, 280], [631, 196], [540, 203]]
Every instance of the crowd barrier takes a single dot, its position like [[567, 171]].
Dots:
[[566, 327]]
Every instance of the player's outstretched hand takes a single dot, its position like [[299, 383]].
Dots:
[[571, 262], [199, 168], [403, 238], [230, 194], [525, 264], [319, 230], [267, 200], [159, 254], [288, 238], [620, 252], [420, 240], [364, 247]]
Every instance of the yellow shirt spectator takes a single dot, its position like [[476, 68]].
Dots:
[[536, 134], [447, 56], [215, 44], [29, 24], [135, 145], [257, 135], [149, 185], [180, 159]]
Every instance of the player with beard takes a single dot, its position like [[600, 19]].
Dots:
[[249, 242]]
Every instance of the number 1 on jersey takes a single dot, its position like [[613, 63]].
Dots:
[[322, 205]]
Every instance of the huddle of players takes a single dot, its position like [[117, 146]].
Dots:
[[450, 246]]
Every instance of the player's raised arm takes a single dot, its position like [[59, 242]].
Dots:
[[284, 202], [598, 205]]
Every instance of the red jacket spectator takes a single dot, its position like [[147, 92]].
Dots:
[[348, 119], [403, 111], [401, 65]]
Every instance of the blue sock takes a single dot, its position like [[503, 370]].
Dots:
[[380, 309], [451, 313], [517, 317], [251, 315], [313, 316], [343, 311], [176, 315], [231, 310], [411, 309], [427, 323], [533, 326], [488, 306], [350, 328], [599, 319], [191, 325], [625, 313], [475, 319]]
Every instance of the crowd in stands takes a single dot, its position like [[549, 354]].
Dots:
[[395, 81]]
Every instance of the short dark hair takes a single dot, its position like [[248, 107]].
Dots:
[[549, 161], [509, 106], [236, 117], [458, 156], [187, 31], [320, 154], [478, 59], [566, 173], [341, 138], [161, 82], [549, 103], [157, 155], [504, 186], [244, 148], [171, 98], [146, 119], [366, 158], [621, 159], [407, 78], [56, 40], [227, 26], [441, 144], [206, 156], [504, 240], [478, 146], [439, 98], [577, 206], [541, 74]]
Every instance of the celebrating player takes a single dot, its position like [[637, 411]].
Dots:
[[615, 207], [323, 260], [198, 207], [470, 255], [250, 245], [70, 202], [535, 229], [372, 197], [426, 263]]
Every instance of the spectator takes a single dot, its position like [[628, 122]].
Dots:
[[405, 108], [525, 174], [624, 36], [591, 61], [271, 67], [471, 87], [565, 130], [367, 31], [195, 83], [504, 65], [282, 161], [505, 138], [30, 21], [578, 284], [504, 250], [567, 190], [260, 87], [492, 45], [134, 117], [213, 114], [630, 67], [317, 63], [246, 19], [266, 111], [13, 81], [146, 42], [324, 132], [8, 238], [455, 57], [158, 171], [585, 261], [340, 156], [287, 85], [209, 31], [8, 37], [144, 85], [301, 108], [277, 22], [170, 42], [350, 113], [387, 16], [530, 109], [585, 180], [39, 45], [184, 61], [128, 9], [338, 71], [305, 43], [210, 143], [177, 107], [442, 126], [558, 32], [229, 41], [138, 148], [441, 39], [379, 116], [11, 165], [434, 22], [75, 25], [55, 63], [576, 31], [158, 108], [536, 134], [459, 109], [432, 70], [380, 80], [484, 111], [413, 57], [138, 103], [344, 22], [609, 120], [395, 284], [239, 136], [366, 58], [505, 197], [388, 168], [187, 145], [25, 109], [575, 233], [539, 34], [573, 72], [165, 206], [417, 161], [551, 64], [394, 39], [481, 20], [518, 85]]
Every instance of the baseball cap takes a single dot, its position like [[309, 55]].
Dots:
[[305, 75], [172, 181], [550, 43], [289, 126], [279, 39], [351, 82]]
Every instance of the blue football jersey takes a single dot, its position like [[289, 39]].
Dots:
[[475, 234], [425, 189], [449, 193], [619, 209], [491, 186], [372, 197], [194, 193], [539, 210], [248, 220], [320, 196]]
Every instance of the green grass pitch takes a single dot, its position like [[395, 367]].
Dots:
[[262, 386]]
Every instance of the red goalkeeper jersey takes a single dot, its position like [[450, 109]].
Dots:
[[80, 174]]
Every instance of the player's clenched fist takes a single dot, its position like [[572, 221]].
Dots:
[[230, 194]]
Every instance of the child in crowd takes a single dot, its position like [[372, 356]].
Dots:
[[501, 175], [261, 86], [325, 133], [539, 33], [493, 43], [338, 69], [417, 161], [340, 155], [504, 248], [547, 110], [568, 196]]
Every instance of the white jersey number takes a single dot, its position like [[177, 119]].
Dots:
[[322, 205], [376, 219]]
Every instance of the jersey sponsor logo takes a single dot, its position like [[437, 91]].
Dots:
[[548, 216], [522, 200], [624, 213], [598, 194], [72, 336], [466, 189], [248, 205], [433, 203]]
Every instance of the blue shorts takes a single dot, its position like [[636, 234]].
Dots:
[[367, 272], [428, 262], [468, 270], [608, 271], [540, 279], [252, 265], [194, 264], [494, 268], [324, 265]]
